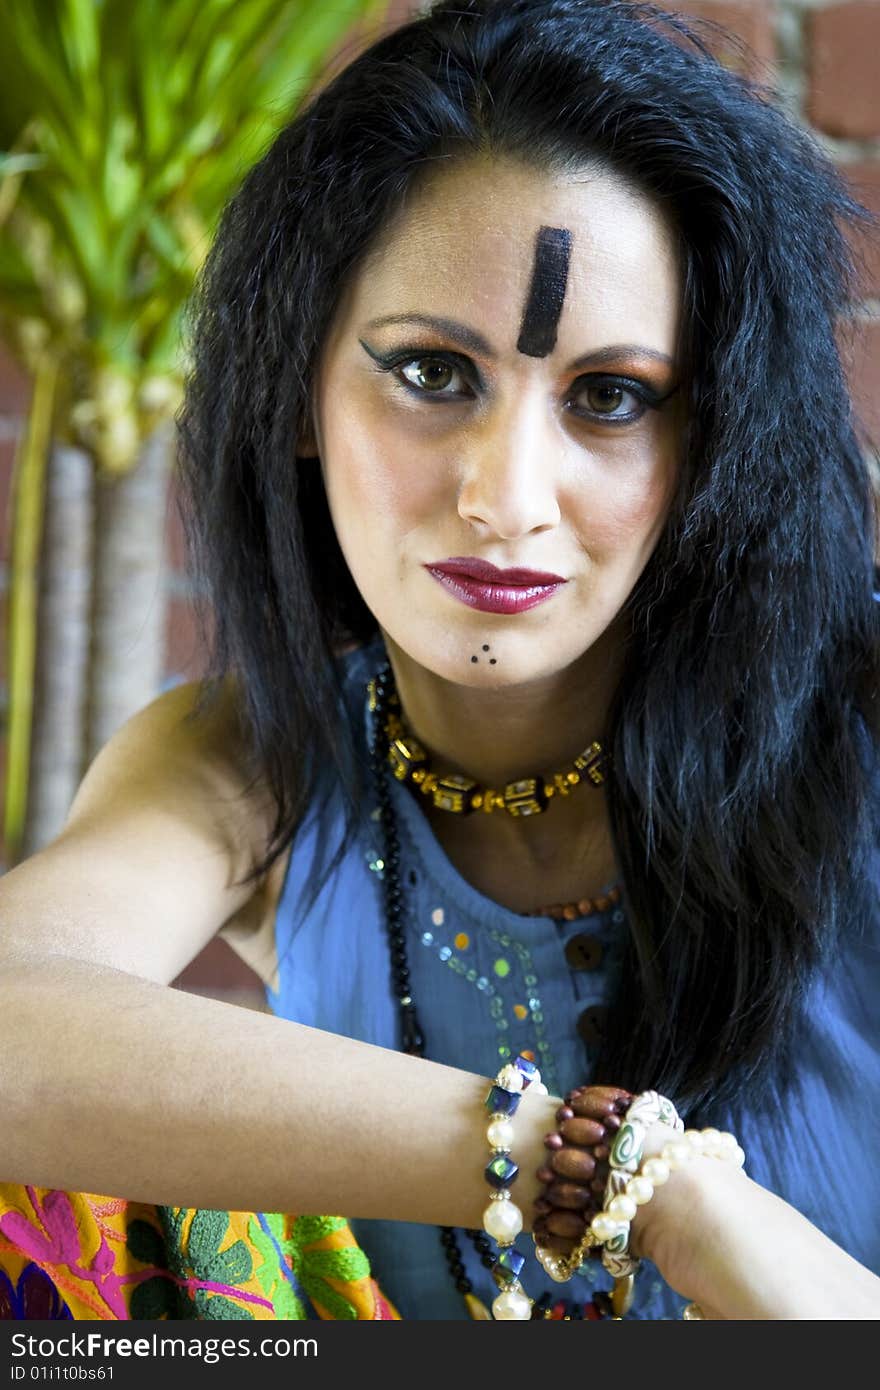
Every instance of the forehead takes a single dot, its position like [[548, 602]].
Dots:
[[464, 243]]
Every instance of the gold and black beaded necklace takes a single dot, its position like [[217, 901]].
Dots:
[[391, 744], [527, 796]]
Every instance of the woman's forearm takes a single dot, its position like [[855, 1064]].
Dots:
[[741, 1252], [111, 1083]]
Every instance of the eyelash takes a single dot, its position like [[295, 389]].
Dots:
[[648, 399]]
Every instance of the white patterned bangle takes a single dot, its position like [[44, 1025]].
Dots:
[[647, 1109], [611, 1226], [502, 1218]]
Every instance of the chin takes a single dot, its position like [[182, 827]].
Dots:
[[507, 663]]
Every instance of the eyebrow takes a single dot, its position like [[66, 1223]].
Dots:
[[468, 337]]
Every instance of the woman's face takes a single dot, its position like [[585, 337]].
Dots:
[[496, 388]]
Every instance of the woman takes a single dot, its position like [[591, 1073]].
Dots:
[[535, 288]]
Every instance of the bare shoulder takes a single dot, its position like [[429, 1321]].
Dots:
[[149, 865], [183, 757]]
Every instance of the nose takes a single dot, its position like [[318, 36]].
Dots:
[[509, 472]]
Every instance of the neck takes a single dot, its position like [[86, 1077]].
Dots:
[[498, 735]]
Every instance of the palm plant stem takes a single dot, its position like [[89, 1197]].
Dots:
[[29, 489]]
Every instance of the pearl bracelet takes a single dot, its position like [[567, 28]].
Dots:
[[502, 1218], [611, 1226]]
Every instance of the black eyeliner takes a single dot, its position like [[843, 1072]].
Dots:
[[646, 394], [383, 359], [389, 360]]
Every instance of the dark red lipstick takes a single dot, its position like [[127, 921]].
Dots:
[[482, 585]]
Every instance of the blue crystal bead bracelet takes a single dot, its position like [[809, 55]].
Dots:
[[502, 1219]]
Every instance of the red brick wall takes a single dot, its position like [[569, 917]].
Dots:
[[821, 58]]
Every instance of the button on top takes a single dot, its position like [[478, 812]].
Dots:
[[591, 1024], [583, 952]]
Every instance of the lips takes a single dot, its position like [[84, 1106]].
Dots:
[[481, 585], [470, 567]]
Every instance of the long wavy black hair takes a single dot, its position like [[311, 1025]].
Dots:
[[739, 790]]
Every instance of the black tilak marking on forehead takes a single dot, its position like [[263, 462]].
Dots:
[[537, 334]]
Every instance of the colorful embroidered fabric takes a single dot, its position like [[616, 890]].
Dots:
[[73, 1255]]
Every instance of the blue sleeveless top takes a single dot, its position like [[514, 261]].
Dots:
[[488, 983]]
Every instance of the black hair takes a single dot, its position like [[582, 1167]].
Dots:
[[739, 792]]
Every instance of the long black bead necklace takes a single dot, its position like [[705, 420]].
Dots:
[[411, 1035]]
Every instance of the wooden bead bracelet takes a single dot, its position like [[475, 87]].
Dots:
[[587, 1123]]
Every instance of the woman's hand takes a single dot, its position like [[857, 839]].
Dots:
[[726, 1243]]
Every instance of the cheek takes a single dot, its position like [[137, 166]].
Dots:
[[628, 497], [377, 478], [626, 513]]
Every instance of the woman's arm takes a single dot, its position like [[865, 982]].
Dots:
[[741, 1252], [118, 1085], [149, 863], [112, 1082]]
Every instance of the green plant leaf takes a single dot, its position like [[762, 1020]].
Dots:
[[78, 27], [139, 118], [28, 46]]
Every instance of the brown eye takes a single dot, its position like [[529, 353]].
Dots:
[[430, 373], [604, 399], [617, 402]]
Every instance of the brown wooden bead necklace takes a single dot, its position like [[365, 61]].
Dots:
[[584, 907]]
